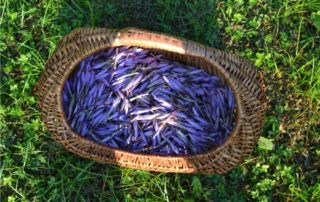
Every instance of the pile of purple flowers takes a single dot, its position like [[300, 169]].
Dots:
[[130, 98]]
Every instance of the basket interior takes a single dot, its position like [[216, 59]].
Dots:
[[197, 62]]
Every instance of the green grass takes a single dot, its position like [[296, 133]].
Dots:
[[280, 37]]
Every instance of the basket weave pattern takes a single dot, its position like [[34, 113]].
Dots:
[[245, 81]]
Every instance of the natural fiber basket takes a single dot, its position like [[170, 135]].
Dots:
[[243, 78]]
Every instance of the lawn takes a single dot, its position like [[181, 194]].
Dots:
[[282, 39]]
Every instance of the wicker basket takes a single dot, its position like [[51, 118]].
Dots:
[[245, 81]]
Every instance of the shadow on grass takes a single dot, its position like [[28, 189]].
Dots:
[[192, 20]]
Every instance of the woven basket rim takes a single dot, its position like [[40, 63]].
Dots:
[[246, 83]]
